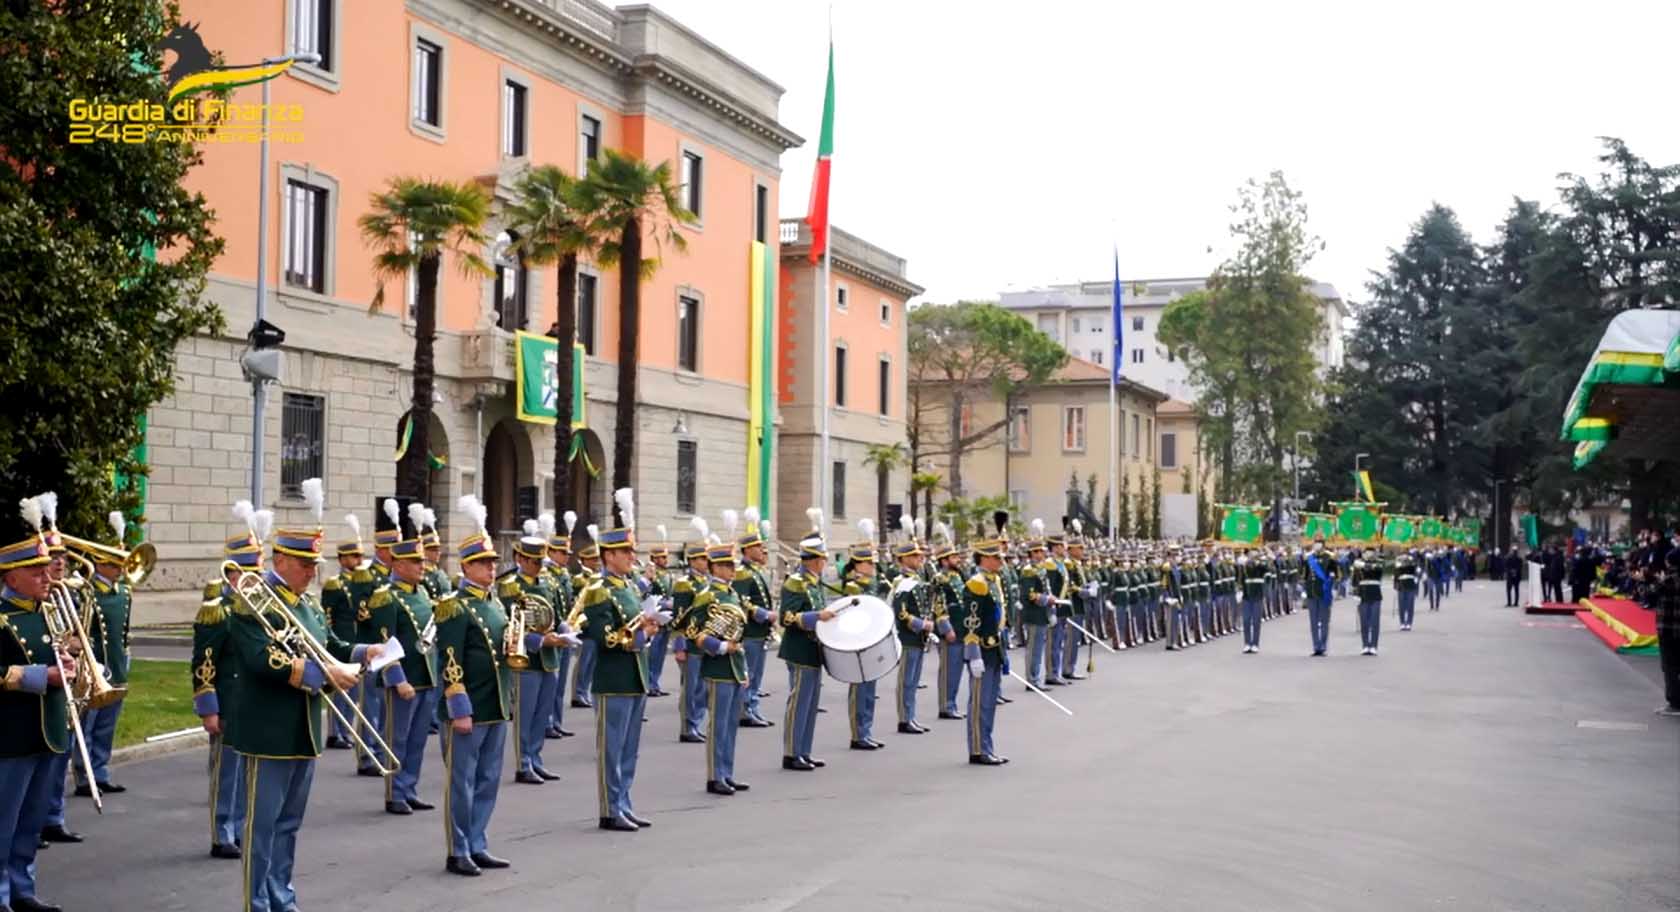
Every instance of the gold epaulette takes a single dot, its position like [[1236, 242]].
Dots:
[[212, 589], [332, 584], [683, 585], [595, 595], [508, 587], [794, 584], [742, 573], [1029, 570], [706, 597], [380, 597], [977, 585], [212, 612], [852, 588], [361, 575], [447, 608]]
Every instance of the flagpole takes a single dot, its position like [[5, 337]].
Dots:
[[1113, 460], [824, 479]]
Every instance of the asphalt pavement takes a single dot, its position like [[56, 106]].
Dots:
[[1485, 761]]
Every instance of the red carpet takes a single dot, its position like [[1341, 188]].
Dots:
[[1553, 608], [1600, 629], [1640, 623]]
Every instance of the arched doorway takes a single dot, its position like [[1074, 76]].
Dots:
[[507, 473], [436, 492], [587, 489]]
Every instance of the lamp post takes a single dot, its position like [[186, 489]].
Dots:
[[258, 382], [1496, 523], [1297, 461]]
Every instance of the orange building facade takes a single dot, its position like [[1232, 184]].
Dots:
[[464, 90]]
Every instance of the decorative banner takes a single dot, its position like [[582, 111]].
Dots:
[[1431, 529], [534, 360], [1317, 525], [1356, 521], [1242, 524], [1399, 530], [761, 374]]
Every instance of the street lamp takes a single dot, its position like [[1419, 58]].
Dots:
[[1296, 459], [257, 381]]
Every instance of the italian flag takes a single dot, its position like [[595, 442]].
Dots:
[[817, 216]]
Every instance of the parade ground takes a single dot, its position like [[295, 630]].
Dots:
[[1484, 761]]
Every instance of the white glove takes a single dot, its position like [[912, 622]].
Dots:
[[976, 668], [571, 640], [1091, 589]]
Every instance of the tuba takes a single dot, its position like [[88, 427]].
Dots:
[[529, 613]]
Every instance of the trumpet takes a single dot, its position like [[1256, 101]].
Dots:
[[136, 564], [283, 627], [427, 643]]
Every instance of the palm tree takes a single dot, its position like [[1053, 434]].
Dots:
[[885, 457], [411, 225], [627, 199], [924, 483], [548, 215]]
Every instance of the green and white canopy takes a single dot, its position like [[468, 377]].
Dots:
[[1628, 398]]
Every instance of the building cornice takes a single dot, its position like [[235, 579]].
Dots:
[[678, 78]]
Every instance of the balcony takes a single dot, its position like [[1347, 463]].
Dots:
[[487, 354]]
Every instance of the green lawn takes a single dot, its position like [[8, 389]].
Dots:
[[159, 700]]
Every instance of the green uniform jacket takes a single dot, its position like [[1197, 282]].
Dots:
[[752, 587], [683, 592], [34, 718], [802, 598], [1405, 574], [213, 674], [1367, 576], [276, 709], [1035, 582], [435, 581], [362, 585], [402, 610], [471, 627], [719, 601], [982, 617], [514, 584], [109, 630], [610, 609], [912, 606], [1317, 588]]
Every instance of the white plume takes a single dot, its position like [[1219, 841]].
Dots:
[[921, 527], [119, 524], [390, 508], [700, 527], [315, 495], [473, 509], [866, 527], [431, 519], [417, 517], [661, 529], [594, 533], [626, 500], [945, 531], [908, 524], [815, 515], [545, 522], [731, 522], [1078, 527], [1037, 527], [262, 523], [570, 519], [30, 509], [764, 531], [245, 513], [49, 508], [355, 524], [750, 517], [530, 528]]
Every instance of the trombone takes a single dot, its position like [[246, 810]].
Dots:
[[283, 627], [64, 625], [136, 564]]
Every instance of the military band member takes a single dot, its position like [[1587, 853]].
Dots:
[[982, 622], [214, 677], [1061, 609], [619, 627], [1320, 578], [560, 578], [1037, 611], [1082, 593], [475, 707], [34, 715], [802, 606], [658, 577], [717, 627], [589, 572], [1251, 580], [1406, 586], [57, 828], [108, 631], [1367, 582], [387, 531], [342, 596], [1177, 589], [691, 693], [947, 592], [752, 587], [274, 721], [537, 682], [436, 580], [403, 609], [912, 604], [859, 575]]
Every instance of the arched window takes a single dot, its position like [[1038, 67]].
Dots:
[[511, 282]]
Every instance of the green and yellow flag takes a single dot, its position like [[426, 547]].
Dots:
[[1362, 486], [1242, 524]]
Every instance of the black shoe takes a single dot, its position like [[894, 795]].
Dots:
[[369, 771], [112, 788], [57, 833], [1004, 699], [458, 864], [920, 728], [400, 808], [83, 791], [821, 710], [864, 746], [692, 739], [985, 760], [921, 687], [553, 734], [797, 763], [336, 743], [1077, 677], [415, 804], [527, 778], [543, 774], [946, 715], [638, 820], [618, 823], [905, 728], [656, 692], [224, 850], [487, 860], [737, 785], [719, 788], [564, 733], [579, 704], [33, 904], [755, 723], [816, 763], [879, 745], [763, 693]]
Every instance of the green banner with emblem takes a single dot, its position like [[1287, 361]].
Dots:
[[1315, 526], [1358, 521], [534, 360], [1400, 530], [1241, 524]]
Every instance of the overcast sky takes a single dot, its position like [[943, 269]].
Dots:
[[1002, 145]]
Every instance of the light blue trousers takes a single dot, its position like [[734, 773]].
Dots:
[[618, 741], [99, 727], [1037, 634], [408, 723], [536, 702], [860, 706], [723, 709], [909, 678], [982, 711], [1370, 622], [276, 796], [1251, 621], [583, 682], [24, 786], [799, 721], [757, 653], [227, 794], [473, 765]]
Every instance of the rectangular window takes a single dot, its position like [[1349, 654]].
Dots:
[[1073, 428], [837, 509], [586, 286], [1170, 357], [302, 436], [513, 119], [840, 376], [428, 82], [691, 181], [688, 333], [306, 236], [688, 467], [761, 214], [1076, 324], [1096, 356], [1020, 430], [886, 312], [1169, 451], [1137, 437], [885, 377], [1151, 438], [1137, 356], [510, 291], [840, 298], [1018, 500], [1137, 324], [312, 22], [1123, 449], [589, 142], [1047, 325]]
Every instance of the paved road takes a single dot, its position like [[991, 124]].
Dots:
[[1452, 772]]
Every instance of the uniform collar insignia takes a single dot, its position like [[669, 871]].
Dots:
[[473, 590], [12, 596], [279, 586], [404, 585]]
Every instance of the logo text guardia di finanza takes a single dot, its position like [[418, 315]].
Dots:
[[183, 117]]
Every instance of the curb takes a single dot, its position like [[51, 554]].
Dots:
[[137, 752], [156, 640]]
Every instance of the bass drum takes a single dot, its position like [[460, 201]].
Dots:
[[860, 643]]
